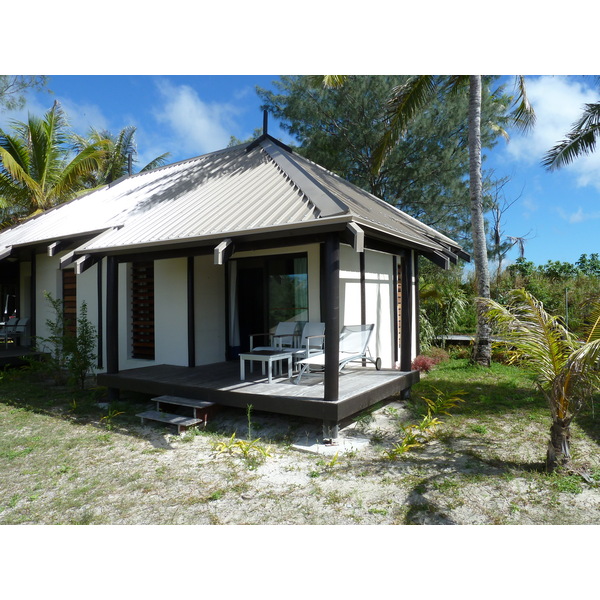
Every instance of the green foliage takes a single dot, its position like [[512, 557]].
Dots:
[[108, 418], [81, 349], [70, 358], [416, 435], [38, 165], [246, 448], [424, 174], [13, 88], [566, 370]]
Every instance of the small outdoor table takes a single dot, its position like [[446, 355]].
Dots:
[[265, 356]]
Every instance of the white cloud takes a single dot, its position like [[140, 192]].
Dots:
[[579, 216], [198, 126], [558, 102]]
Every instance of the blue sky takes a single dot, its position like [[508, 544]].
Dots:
[[558, 212]]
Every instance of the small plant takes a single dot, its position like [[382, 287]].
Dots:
[[81, 355], [70, 358], [246, 448], [334, 460], [107, 419], [409, 441], [423, 363], [442, 402]]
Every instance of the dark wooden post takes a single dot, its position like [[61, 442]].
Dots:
[[191, 318], [396, 324], [406, 332], [363, 294], [332, 326], [100, 315], [32, 296], [112, 321]]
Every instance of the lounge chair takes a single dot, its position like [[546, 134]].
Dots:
[[354, 341]]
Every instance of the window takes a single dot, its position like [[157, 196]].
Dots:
[[142, 310]]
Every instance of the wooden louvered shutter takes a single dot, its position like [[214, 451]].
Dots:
[[142, 310], [69, 295]]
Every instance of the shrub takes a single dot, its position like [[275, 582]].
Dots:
[[423, 363], [439, 355], [69, 357]]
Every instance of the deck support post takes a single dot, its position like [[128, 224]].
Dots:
[[112, 321], [332, 317], [408, 307], [331, 430]]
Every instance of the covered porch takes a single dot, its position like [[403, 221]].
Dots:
[[359, 388]]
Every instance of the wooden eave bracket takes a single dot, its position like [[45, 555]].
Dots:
[[224, 251], [359, 237], [439, 259], [67, 260], [54, 248], [84, 263], [6, 252]]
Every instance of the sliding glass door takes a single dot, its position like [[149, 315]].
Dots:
[[266, 291]]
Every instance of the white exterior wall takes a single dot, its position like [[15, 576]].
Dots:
[[379, 298], [209, 298], [48, 279]]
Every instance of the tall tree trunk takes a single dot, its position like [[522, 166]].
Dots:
[[559, 454], [482, 350]]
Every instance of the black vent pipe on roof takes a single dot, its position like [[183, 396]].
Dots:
[[265, 122]]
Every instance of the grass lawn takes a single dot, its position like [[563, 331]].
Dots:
[[65, 459]]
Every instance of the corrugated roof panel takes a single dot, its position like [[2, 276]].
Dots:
[[236, 199], [371, 209], [241, 189]]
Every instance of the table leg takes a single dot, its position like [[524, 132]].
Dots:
[[242, 369], [270, 370]]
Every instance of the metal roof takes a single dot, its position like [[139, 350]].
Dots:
[[246, 189]]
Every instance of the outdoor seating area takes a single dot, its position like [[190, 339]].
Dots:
[[12, 330], [307, 350]]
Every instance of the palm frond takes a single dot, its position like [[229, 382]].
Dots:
[[326, 81], [539, 336], [405, 101], [580, 140], [159, 161], [523, 115]]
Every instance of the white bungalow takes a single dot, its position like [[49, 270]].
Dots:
[[179, 265]]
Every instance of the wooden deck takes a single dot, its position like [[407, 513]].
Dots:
[[14, 356], [359, 388]]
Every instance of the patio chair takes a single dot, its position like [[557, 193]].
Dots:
[[354, 341], [283, 337], [20, 330], [8, 329], [312, 341]]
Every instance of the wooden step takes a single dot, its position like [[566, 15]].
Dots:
[[182, 423], [201, 409]]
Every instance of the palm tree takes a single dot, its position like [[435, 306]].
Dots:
[[37, 166], [580, 140], [566, 369], [410, 98], [118, 152]]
